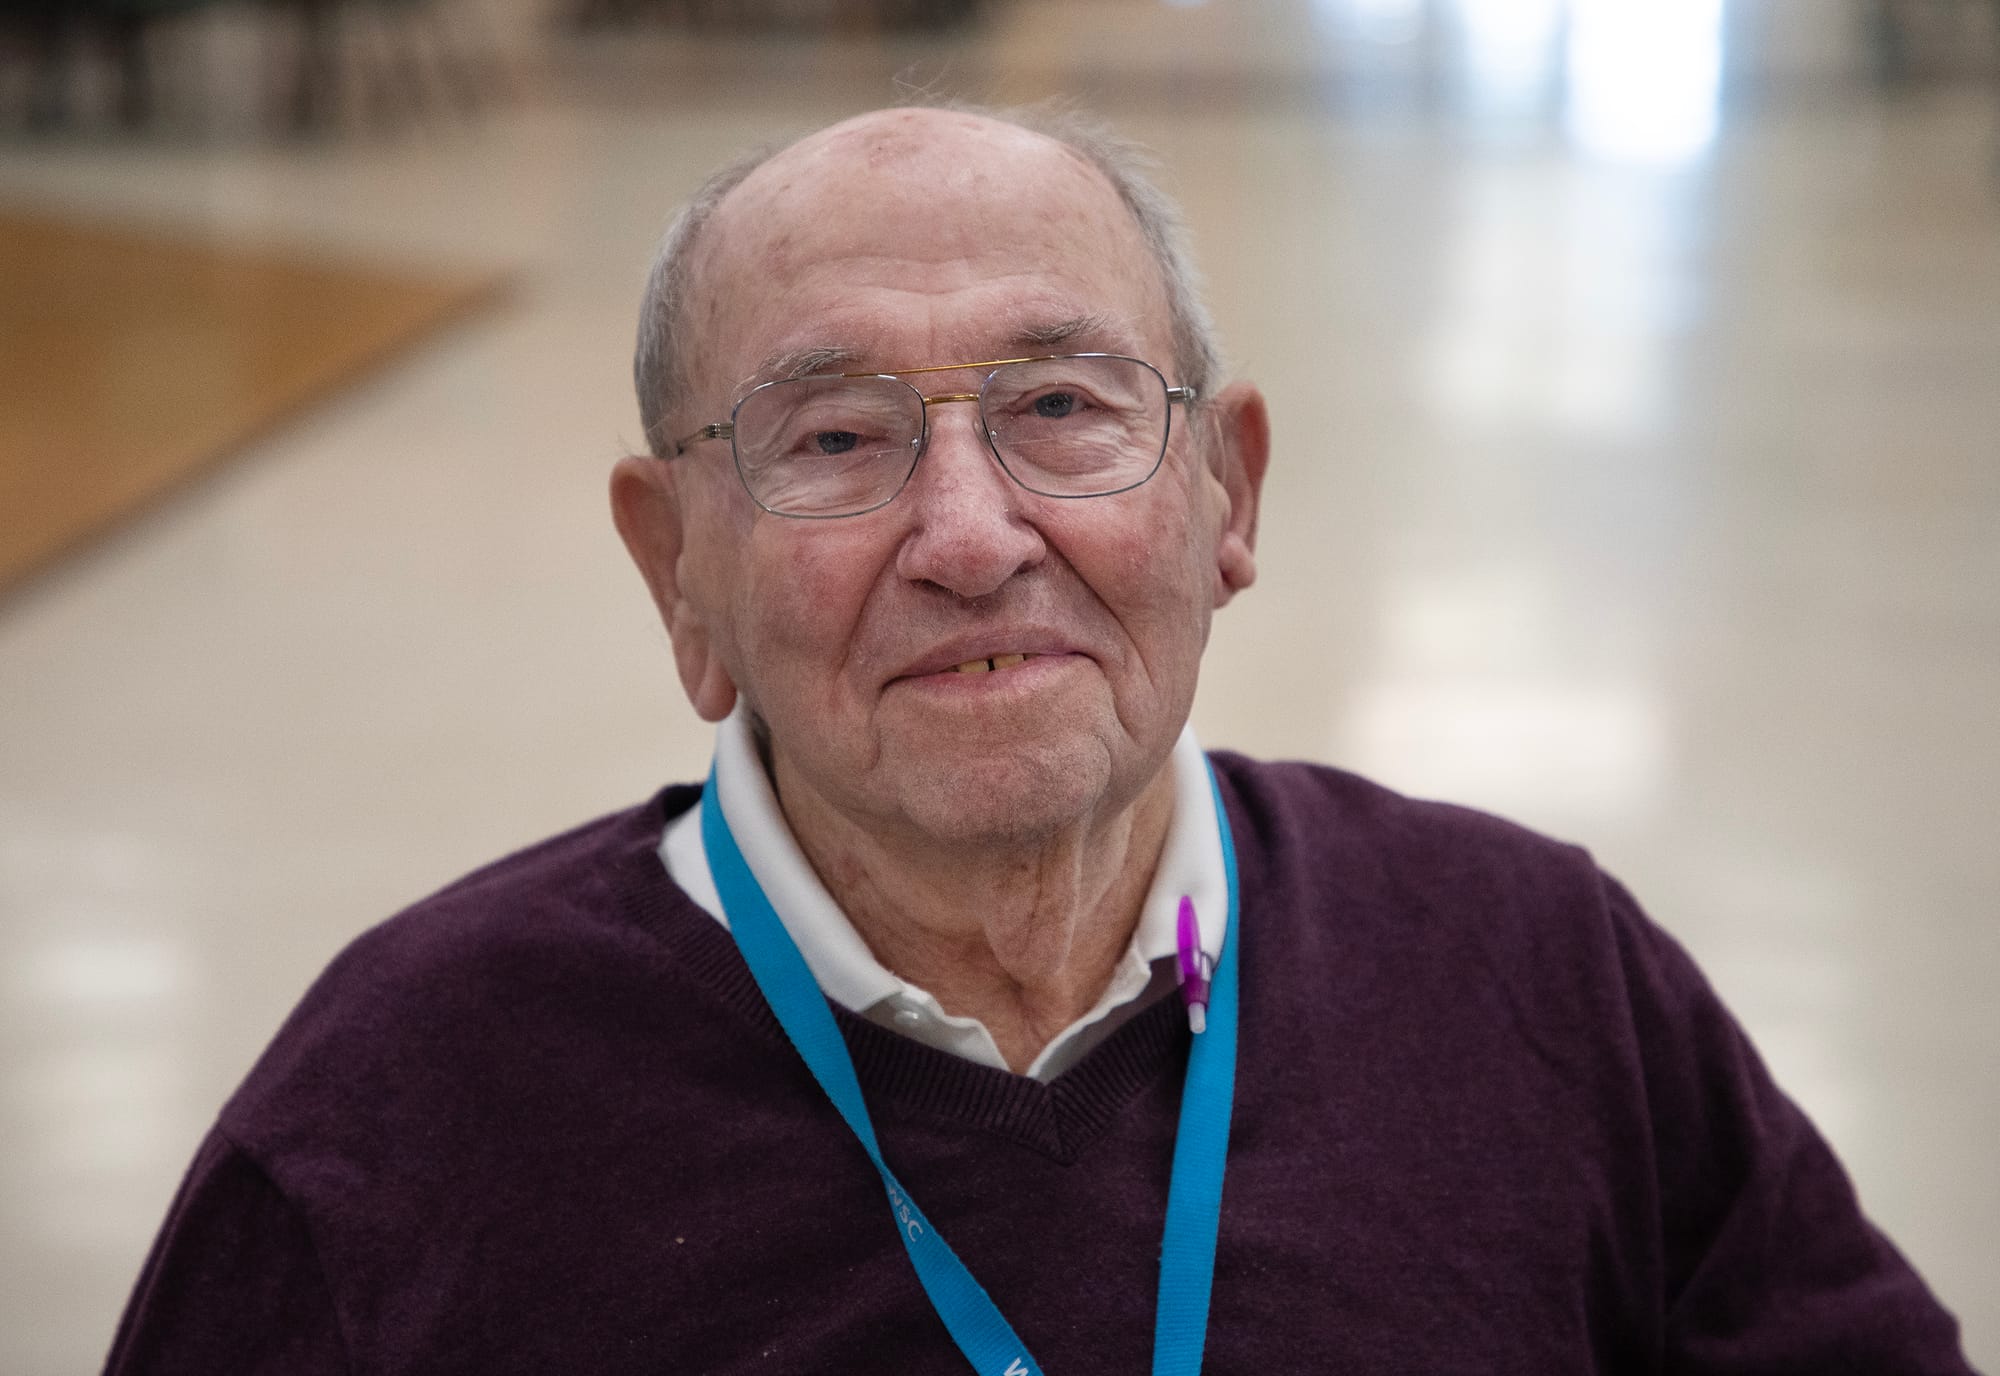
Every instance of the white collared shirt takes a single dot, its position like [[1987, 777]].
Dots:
[[848, 972]]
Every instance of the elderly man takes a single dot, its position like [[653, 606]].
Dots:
[[969, 1015]]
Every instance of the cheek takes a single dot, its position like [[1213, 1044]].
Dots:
[[1149, 564], [801, 598], [1160, 554], [1178, 572], [709, 571]]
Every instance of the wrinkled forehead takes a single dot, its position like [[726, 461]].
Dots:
[[915, 210]]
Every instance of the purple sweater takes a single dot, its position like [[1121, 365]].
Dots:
[[1488, 1119]]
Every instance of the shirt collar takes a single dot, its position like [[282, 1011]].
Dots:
[[847, 971]]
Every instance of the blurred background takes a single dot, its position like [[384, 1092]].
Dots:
[[1635, 367]]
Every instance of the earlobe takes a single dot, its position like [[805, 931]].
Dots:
[[1242, 451], [647, 511], [707, 684]]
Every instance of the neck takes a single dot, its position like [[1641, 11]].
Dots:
[[1022, 935]]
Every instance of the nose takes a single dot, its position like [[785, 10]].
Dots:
[[967, 534]]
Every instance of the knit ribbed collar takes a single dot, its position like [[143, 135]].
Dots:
[[899, 1076]]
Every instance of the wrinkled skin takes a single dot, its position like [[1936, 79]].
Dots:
[[990, 835]]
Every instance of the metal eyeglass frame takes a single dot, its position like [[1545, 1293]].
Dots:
[[726, 429]]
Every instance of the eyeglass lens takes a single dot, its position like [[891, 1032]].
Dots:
[[1063, 427]]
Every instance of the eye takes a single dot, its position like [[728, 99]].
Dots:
[[1055, 405], [835, 441]]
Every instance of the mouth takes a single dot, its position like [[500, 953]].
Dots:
[[992, 664], [1007, 649]]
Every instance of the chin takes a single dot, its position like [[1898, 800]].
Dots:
[[1017, 797]]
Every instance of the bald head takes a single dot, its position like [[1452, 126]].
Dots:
[[951, 175], [917, 225], [947, 170]]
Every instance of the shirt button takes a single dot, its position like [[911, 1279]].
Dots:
[[908, 1017]]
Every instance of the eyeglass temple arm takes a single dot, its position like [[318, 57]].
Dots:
[[714, 430]]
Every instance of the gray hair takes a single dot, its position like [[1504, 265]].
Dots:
[[659, 364]]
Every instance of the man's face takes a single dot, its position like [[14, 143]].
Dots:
[[902, 240]]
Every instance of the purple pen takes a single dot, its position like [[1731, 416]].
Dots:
[[1194, 966]]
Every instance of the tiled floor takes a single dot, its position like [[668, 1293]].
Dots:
[[1636, 476]]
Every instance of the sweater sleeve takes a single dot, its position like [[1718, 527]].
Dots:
[[1770, 1264], [233, 1284]]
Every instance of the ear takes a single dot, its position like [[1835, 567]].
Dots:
[[1241, 449], [646, 504]]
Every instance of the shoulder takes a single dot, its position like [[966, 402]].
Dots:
[[1309, 824], [466, 976], [569, 891], [573, 868], [1468, 916]]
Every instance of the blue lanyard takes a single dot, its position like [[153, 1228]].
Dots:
[[1194, 1196]]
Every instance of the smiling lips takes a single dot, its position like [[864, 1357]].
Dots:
[[987, 666], [1002, 648]]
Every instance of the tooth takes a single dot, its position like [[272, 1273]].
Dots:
[[975, 666], [1007, 661]]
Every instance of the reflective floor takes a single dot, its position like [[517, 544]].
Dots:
[[1636, 476]]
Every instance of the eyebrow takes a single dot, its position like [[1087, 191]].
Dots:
[[1062, 331], [803, 362]]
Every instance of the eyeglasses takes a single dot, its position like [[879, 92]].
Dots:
[[1078, 425]]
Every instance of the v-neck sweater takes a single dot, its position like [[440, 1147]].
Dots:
[[1489, 1118], [1190, 869]]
